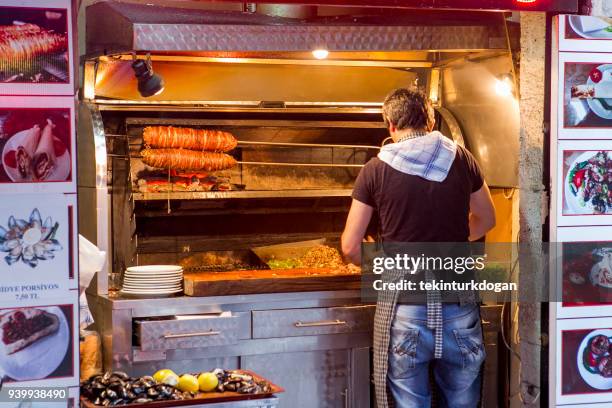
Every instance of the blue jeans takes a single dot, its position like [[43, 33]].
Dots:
[[457, 373]]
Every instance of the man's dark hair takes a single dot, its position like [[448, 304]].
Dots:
[[406, 108]]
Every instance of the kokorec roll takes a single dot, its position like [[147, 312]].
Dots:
[[181, 159], [188, 138]]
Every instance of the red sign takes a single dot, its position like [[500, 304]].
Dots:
[[560, 6]]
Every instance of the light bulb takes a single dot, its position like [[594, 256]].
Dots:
[[320, 53]]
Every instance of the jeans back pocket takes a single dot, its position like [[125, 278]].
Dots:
[[471, 345], [403, 351]]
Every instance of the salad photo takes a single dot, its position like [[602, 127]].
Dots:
[[588, 182]]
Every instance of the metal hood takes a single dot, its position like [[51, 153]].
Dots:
[[123, 27]]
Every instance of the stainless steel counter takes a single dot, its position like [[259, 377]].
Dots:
[[314, 344]]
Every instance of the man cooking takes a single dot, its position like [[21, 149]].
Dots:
[[424, 188]]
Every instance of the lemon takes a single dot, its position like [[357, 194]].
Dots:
[[188, 382], [170, 379], [163, 374], [208, 382]]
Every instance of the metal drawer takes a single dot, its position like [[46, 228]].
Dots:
[[312, 322], [172, 333]]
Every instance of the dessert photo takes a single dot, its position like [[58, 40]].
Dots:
[[36, 343]]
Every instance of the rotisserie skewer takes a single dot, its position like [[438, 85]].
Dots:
[[182, 159], [169, 137]]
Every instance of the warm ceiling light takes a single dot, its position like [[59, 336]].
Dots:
[[504, 85], [320, 53], [149, 83]]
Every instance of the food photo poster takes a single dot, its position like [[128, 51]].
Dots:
[[584, 268], [36, 47], [584, 368], [38, 253], [585, 86], [39, 344], [585, 33], [37, 145], [584, 183]]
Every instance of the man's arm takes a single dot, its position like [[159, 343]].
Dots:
[[482, 213], [356, 225]]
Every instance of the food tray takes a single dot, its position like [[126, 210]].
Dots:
[[204, 397]]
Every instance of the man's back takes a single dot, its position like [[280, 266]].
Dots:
[[413, 209]]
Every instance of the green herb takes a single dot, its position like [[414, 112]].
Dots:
[[289, 263], [608, 29]]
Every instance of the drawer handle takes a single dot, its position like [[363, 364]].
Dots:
[[321, 323], [198, 334]]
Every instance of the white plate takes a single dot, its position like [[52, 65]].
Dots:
[[139, 289], [151, 269], [153, 281], [147, 287], [42, 357], [594, 380], [150, 291], [592, 35], [172, 275], [573, 204], [153, 275], [60, 172], [595, 104]]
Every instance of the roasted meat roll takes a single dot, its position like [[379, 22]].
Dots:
[[181, 159], [19, 43], [188, 138]]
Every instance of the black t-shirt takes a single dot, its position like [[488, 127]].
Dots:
[[413, 209]]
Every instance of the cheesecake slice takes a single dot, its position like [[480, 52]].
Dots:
[[23, 327]]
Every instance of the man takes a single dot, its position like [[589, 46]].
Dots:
[[424, 188]]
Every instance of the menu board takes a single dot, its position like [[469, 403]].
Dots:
[[36, 47], [584, 373], [581, 211], [38, 144], [39, 283], [585, 33]]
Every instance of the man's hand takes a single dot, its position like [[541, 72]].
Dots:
[[356, 224], [482, 213]]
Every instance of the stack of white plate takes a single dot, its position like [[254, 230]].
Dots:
[[153, 280]]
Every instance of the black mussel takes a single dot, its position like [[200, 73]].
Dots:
[[106, 402], [120, 374], [97, 386], [95, 377], [220, 387], [230, 386], [118, 401], [137, 388], [106, 376], [152, 392], [97, 401], [142, 400], [162, 390], [110, 394], [130, 395]]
